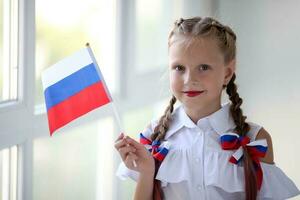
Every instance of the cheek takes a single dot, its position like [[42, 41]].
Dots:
[[220, 80], [174, 81], [212, 84], [217, 84]]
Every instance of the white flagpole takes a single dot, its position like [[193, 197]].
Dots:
[[107, 91]]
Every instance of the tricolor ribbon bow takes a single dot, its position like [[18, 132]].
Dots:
[[256, 149], [157, 150]]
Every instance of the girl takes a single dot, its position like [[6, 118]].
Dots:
[[203, 149]]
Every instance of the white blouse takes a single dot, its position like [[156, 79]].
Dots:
[[196, 166]]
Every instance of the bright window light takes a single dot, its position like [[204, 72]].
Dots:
[[8, 50]]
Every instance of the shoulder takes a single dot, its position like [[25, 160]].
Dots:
[[149, 129], [175, 124], [263, 134], [257, 132]]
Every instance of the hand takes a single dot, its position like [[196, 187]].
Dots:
[[130, 150]]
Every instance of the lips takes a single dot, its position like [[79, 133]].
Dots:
[[193, 93]]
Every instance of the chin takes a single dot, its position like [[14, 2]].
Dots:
[[192, 103]]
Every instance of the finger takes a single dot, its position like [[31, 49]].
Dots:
[[133, 143], [127, 149], [120, 144], [130, 159], [132, 156], [121, 136], [124, 151]]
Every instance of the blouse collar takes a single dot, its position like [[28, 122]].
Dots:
[[221, 120]]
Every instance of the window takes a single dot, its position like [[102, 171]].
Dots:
[[74, 163], [147, 41], [9, 33], [1, 52], [8, 50], [8, 173], [60, 33], [80, 161], [153, 21]]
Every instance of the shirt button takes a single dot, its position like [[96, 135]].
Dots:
[[199, 187], [197, 160]]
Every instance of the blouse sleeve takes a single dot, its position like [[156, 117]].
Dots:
[[276, 184], [123, 172]]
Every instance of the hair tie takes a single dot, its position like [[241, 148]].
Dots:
[[179, 22], [217, 25]]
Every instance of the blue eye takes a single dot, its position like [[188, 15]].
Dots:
[[204, 67], [179, 68]]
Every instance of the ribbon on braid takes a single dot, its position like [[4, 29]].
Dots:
[[256, 149], [159, 152]]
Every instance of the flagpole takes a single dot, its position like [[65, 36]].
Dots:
[[107, 91]]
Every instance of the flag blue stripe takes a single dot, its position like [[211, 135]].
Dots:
[[228, 138], [164, 151], [260, 148], [71, 85]]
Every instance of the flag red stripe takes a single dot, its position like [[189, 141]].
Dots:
[[77, 105]]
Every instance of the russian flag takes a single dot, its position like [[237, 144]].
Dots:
[[73, 87]]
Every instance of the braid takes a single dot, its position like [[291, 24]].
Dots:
[[159, 133], [242, 129], [164, 122]]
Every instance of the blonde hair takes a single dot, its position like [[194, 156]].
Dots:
[[208, 27]]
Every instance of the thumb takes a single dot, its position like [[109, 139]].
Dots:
[[121, 136]]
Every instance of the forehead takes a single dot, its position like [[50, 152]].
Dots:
[[194, 49]]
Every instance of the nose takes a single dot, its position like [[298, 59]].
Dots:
[[190, 78]]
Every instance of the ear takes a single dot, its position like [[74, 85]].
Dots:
[[229, 71]]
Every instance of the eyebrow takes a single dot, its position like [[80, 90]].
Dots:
[[199, 65]]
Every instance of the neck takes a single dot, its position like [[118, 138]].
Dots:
[[201, 111]]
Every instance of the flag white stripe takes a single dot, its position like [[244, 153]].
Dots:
[[238, 154], [66, 67], [262, 142]]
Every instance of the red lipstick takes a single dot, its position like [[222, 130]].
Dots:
[[193, 93]]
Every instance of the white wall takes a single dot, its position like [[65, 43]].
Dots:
[[268, 71]]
